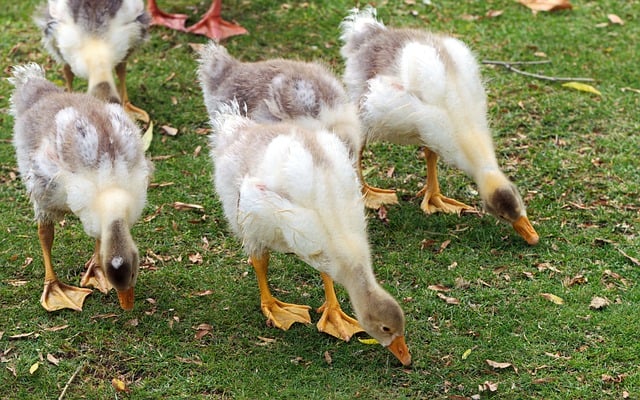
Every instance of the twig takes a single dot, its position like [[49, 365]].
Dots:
[[509, 65], [64, 391]]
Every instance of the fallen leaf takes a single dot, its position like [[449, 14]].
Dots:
[[147, 137], [494, 13], [487, 385], [17, 282], [195, 258], [132, 322], [611, 379], [119, 385], [52, 359], [438, 288], [169, 130], [466, 354], [546, 5], [197, 151], [553, 298], [449, 300], [500, 365], [204, 293], [598, 303], [56, 328], [614, 19], [382, 214], [34, 367], [265, 341], [327, 357], [576, 280], [195, 360], [21, 336], [202, 331], [197, 47], [444, 245], [368, 341], [178, 205], [583, 87]]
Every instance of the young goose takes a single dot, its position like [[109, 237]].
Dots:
[[259, 174], [91, 38], [416, 87], [79, 155], [282, 90]]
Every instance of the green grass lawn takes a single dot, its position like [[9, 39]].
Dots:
[[574, 155]]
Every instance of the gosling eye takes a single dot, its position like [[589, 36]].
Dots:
[[386, 329]]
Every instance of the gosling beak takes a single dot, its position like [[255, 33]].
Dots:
[[525, 229], [126, 299], [399, 349]]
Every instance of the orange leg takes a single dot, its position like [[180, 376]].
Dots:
[[135, 112], [433, 200], [279, 314], [334, 321], [56, 295], [94, 276], [374, 197], [213, 26]]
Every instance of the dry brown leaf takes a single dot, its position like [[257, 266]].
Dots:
[[204, 293], [553, 298], [576, 280], [382, 214], [613, 379], [132, 322], [444, 245], [438, 288], [462, 283], [494, 13], [449, 300], [614, 19], [195, 360], [52, 359], [598, 303], [56, 328], [488, 386], [327, 357], [500, 365], [197, 151], [21, 336], [546, 5], [178, 205], [169, 130], [264, 341], [17, 282], [202, 330], [195, 258]]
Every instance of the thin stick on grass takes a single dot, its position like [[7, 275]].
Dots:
[[64, 390], [509, 65]]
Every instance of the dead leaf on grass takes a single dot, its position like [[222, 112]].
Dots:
[[195, 360], [598, 303], [583, 87], [449, 300], [195, 258], [553, 298], [576, 280], [204, 293], [327, 357], [614, 19], [22, 336], [488, 386], [494, 13], [546, 5], [500, 365], [438, 288], [382, 214], [178, 205], [169, 130], [264, 341], [56, 328], [606, 378], [52, 359], [203, 330]]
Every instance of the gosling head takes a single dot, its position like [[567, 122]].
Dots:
[[383, 319], [504, 202], [121, 262]]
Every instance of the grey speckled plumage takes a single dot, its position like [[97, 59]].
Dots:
[[77, 154], [280, 90]]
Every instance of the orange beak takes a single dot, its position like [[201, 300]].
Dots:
[[525, 229], [399, 349], [126, 299]]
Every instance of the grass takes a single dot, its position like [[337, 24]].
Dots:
[[573, 155]]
